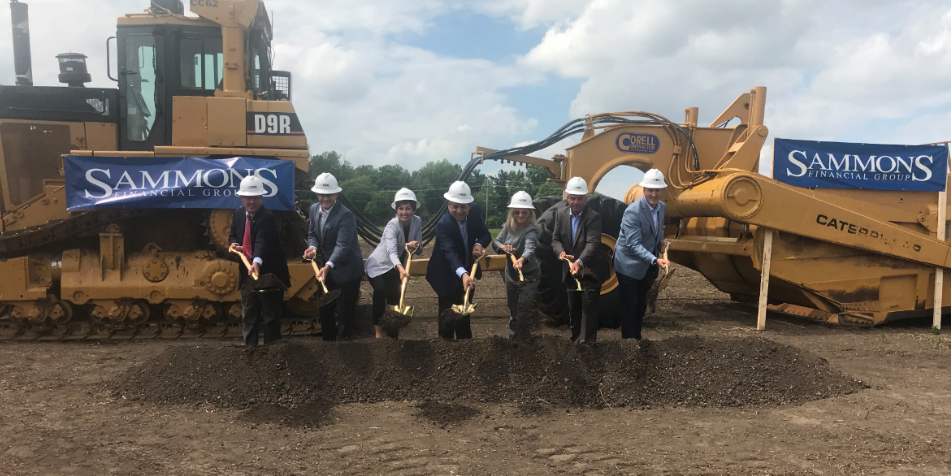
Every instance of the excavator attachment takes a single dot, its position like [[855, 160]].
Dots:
[[860, 257]]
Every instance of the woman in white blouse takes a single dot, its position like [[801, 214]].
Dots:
[[385, 265]]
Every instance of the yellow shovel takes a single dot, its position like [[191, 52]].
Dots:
[[328, 296], [400, 308], [467, 308], [247, 264], [521, 277], [577, 281], [659, 286]]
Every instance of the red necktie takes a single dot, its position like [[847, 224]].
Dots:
[[246, 243]]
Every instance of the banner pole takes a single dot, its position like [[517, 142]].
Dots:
[[767, 260], [939, 271], [764, 280]]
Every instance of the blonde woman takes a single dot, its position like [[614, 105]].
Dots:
[[519, 237], [385, 265]]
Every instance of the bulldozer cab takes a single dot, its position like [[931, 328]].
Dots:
[[161, 57]]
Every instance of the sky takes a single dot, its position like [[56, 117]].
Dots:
[[412, 81]]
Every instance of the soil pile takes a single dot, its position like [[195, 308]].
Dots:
[[693, 371]]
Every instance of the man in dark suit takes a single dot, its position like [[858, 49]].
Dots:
[[461, 235], [333, 229], [255, 234], [577, 234]]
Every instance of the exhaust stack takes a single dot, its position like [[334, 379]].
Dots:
[[22, 60]]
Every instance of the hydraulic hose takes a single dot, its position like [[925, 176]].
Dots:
[[372, 234]]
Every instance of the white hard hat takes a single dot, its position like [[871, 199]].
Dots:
[[251, 186], [653, 179], [326, 184], [521, 200], [405, 195], [577, 186], [459, 192]]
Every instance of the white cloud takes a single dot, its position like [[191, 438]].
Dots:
[[832, 68]]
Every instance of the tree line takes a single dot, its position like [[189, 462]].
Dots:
[[373, 187]]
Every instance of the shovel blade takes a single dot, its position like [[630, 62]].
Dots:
[[327, 298], [655, 291], [455, 313], [405, 310]]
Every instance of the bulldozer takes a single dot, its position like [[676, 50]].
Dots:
[[187, 86], [878, 267]]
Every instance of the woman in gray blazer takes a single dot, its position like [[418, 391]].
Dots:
[[385, 265], [519, 237]]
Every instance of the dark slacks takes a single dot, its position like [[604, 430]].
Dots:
[[459, 328], [336, 318], [261, 309], [386, 291], [634, 301], [583, 310]]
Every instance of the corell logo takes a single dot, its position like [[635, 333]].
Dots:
[[637, 143]]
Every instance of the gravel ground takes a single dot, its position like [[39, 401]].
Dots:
[[62, 415]]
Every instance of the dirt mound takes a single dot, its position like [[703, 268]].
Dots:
[[693, 371], [445, 413]]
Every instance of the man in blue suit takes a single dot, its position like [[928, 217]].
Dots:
[[636, 260], [461, 236], [333, 229]]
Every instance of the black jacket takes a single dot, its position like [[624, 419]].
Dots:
[[450, 252], [587, 246], [266, 239]]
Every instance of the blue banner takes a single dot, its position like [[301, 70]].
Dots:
[[804, 163], [173, 182]]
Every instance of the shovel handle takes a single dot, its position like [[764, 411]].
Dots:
[[465, 300], [577, 281], [317, 274], [666, 268], [409, 262], [514, 261], [475, 265], [244, 258]]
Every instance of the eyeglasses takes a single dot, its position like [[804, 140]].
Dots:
[[522, 212]]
